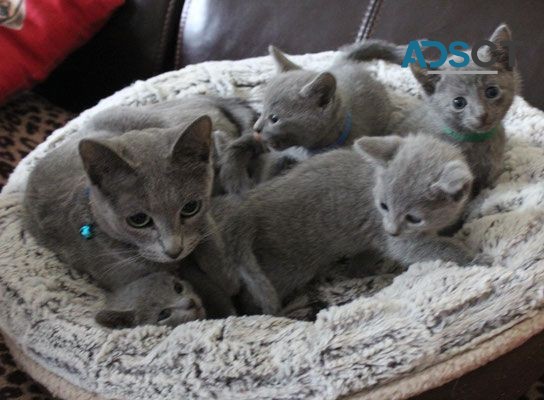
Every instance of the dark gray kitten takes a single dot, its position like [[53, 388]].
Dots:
[[156, 299], [392, 195], [120, 205], [464, 109], [246, 162], [315, 110]]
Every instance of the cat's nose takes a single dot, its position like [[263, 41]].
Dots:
[[173, 253], [483, 118], [392, 229]]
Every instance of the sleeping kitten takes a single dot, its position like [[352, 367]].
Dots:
[[391, 195], [315, 110], [120, 205], [156, 299], [464, 109]]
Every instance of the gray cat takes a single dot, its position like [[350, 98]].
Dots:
[[120, 205], [392, 195], [156, 299], [462, 109], [315, 110]]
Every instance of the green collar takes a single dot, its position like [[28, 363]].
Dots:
[[470, 137]]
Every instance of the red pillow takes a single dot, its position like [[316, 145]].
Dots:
[[36, 35]]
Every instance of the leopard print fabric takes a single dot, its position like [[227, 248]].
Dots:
[[14, 383], [25, 122]]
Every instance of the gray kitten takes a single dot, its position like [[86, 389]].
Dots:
[[120, 205], [156, 299], [463, 109], [315, 110], [246, 162], [391, 195]]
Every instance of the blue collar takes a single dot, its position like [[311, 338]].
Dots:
[[342, 138]]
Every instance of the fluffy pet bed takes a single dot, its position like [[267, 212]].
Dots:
[[433, 323]]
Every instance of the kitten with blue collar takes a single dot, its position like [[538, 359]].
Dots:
[[463, 109], [130, 198], [388, 194], [318, 111]]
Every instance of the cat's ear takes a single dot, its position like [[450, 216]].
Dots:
[[322, 89], [116, 319], [195, 142], [378, 150], [455, 180], [283, 64], [427, 81], [102, 158], [502, 53]]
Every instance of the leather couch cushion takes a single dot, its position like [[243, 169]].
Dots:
[[234, 29]]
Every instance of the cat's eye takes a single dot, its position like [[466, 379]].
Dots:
[[178, 288], [413, 219], [140, 220], [164, 314], [459, 103], [273, 118], [191, 208], [491, 92], [384, 207]]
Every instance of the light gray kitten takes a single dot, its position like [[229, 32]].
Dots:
[[120, 205], [315, 110], [391, 195], [156, 299], [462, 109]]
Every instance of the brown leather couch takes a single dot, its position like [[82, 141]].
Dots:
[[147, 37]]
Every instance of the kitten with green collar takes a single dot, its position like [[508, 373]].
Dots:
[[318, 111], [132, 196], [388, 194], [464, 109]]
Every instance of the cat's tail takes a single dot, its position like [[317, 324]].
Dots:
[[239, 236], [374, 49]]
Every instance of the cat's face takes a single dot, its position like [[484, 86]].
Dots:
[[472, 103], [422, 184], [151, 188], [299, 107], [156, 299]]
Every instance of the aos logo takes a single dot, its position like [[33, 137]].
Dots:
[[500, 49]]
